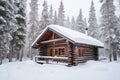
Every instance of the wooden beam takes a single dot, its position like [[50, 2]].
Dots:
[[53, 36], [49, 41]]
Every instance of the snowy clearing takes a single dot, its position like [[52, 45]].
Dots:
[[29, 70]]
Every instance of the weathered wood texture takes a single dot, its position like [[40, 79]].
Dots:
[[51, 44]]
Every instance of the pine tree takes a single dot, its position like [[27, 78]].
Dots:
[[93, 26], [73, 24], [117, 33], [18, 41], [55, 18], [86, 27], [61, 16], [33, 25], [3, 23], [67, 23], [108, 25], [8, 26], [51, 15], [45, 17], [80, 23]]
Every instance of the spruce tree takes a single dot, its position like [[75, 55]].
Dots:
[[108, 25], [67, 23], [61, 16], [117, 33], [3, 23], [80, 23], [73, 24], [55, 18], [44, 17], [18, 41], [8, 26], [93, 26], [33, 26], [86, 27], [51, 14]]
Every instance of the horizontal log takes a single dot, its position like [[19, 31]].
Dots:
[[51, 59], [54, 40]]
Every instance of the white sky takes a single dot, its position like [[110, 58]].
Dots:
[[72, 7]]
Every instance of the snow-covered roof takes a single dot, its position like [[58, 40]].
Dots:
[[72, 35]]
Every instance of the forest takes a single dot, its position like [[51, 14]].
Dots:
[[18, 29]]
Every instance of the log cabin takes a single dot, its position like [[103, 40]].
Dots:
[[58, 43]]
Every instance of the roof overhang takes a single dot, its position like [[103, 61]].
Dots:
[[35, 43]]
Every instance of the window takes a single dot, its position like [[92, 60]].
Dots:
[[56, 52], [59, 51]]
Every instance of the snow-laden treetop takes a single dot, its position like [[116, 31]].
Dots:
[[72, 35]]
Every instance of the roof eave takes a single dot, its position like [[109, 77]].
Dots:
[[91, 45], [37, 39]]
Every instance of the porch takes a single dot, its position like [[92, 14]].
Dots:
[[50, 59], [55, 59]]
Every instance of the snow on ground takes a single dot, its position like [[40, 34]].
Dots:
[[29, 70]]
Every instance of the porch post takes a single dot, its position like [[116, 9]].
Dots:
[[69, 53], [0, 56], [76, 54]]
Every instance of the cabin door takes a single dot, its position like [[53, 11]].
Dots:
[[81, 52]]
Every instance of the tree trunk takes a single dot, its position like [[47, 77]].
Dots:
[[110, 57], [0, 60], [17, 55], [21, 55], [31, 56], [10, 53], [10, 57], [114, 56], [0, 57]]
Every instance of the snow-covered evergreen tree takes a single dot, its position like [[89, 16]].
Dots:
[[61, 16], [86, 27], [55, 18], [108, 25], [3, 23], [117, 32], [18, 40], [33, 25], [44, 17], [51, 14], [93, 26], [7, 26], [80, 23], [68, 23], [73, 24]]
